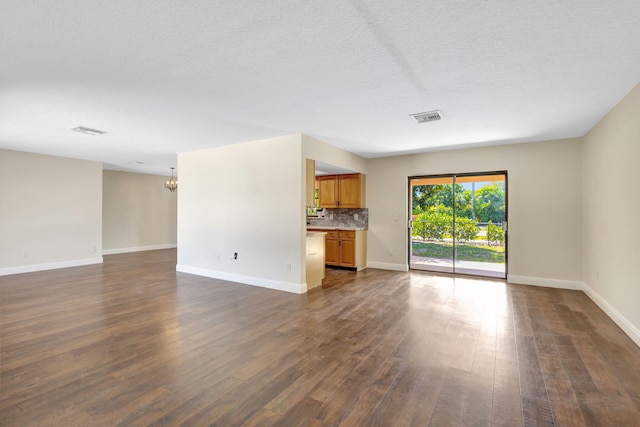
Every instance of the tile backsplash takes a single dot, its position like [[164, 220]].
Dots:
[[341, 218]]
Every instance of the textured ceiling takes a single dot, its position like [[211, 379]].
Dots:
[[163, 77]]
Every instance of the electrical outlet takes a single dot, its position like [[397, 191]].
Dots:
[[93, 249], [330, 216], [235, 255], [218, 258], [24, 253], [356, 216], [288, 266]]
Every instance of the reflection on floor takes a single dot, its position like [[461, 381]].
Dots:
[[487, 269]]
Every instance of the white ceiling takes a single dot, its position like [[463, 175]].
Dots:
[[163, 77]]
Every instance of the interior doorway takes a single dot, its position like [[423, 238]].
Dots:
[[458, 223]]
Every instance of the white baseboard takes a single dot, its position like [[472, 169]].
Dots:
[[547, 283], [387, 266], [138, 249], [619, 319], [295, 288], [49, 266]]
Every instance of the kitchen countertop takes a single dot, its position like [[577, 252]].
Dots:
[[325, 227]]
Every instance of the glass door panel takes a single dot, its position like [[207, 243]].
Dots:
[[459, 224], [431, 246], [480, 217]]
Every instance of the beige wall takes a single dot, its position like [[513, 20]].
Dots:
[[50, 212], [544, 191], [138, 213], [611, 210], [315, 149], [246, 198]]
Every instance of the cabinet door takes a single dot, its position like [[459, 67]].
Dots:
[[331, 251], [310, 181], [328, 188], [349, 191], [348, 252]]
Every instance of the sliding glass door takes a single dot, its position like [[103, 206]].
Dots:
[[458, 223]]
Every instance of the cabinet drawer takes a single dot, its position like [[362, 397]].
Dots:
[[347, 234], [333, 234]]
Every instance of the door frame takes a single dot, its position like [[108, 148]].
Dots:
[[454, 175]]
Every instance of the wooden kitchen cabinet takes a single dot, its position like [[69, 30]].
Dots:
[[310, 181], [332, 248], [341, 191], [350, 191], [348, 251], [346, 248], [328, 189]]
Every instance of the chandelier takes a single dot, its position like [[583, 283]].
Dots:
[[172, 183]]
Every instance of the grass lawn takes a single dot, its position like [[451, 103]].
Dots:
[[465, 252]]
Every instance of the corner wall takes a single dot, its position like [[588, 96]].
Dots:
[[544, 203], [50, 212], [611, 224], [246, 198], [138, 213]]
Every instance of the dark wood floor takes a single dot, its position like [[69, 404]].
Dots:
[[134, 343]]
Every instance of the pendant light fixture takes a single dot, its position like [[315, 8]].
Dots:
[[172, 183]]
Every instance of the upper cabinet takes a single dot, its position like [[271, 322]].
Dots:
[[310, 182], [328, 189], [351, 191], [341, 191]]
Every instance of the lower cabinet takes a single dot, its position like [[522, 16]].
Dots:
[[332, 248], [346, 248]]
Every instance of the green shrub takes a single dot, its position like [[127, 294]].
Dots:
[[466, 229], [432, 225], [495, 233], [419, 228]]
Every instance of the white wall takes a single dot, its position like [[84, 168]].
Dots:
[[246, 198], [611, 209], [50, 212], [544, 191], [138, 213]]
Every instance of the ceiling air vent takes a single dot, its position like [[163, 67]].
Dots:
[[429, 116], [88, 131]]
